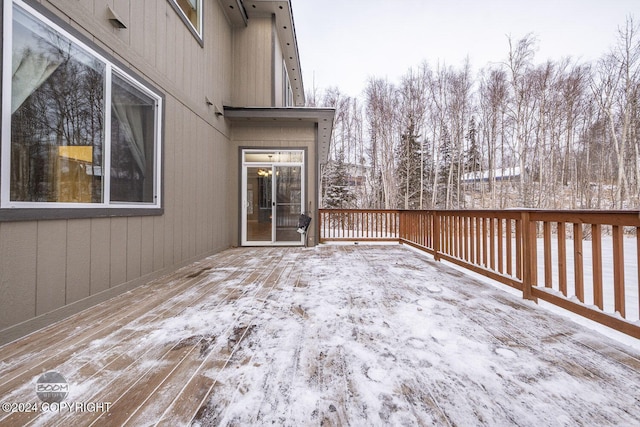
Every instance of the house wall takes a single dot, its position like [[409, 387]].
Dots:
[[253, 73], [52, 268], [274, 135], [257, 65], [278, 76]]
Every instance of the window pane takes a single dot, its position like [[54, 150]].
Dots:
[[274, 156], [132, 143], [57, 116], [191, 9]]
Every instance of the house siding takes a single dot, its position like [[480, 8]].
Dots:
[[51, 268], [253, 64]]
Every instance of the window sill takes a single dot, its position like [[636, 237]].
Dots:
[[20, 214]]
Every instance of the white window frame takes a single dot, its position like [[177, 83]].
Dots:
[[270, 164], [188, 21], [110, 69]]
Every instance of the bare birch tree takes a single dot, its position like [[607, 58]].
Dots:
[[381, 109]]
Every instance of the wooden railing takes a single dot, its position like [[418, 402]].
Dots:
[[583, 261], [359, 225]]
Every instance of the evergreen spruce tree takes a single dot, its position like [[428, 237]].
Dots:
[[337, 192], [447, 167], [473, 157], [408, 168]]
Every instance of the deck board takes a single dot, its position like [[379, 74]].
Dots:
[[334, 335]]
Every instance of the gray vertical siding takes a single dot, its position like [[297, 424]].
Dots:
[[78, 260], [100, 255], [18, 271], [51, 263], [253, 64], [52, 268]]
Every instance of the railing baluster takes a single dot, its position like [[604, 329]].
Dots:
[[386, 224], [500, 247], [436, 236], [577, 261], [562, 258], [472, 239], [528, 254], [459, 231], [460, 250], [432, 227], [548, 269], [533, 251], [484, 242], [444, 243], [492, 244], [465, 232], [445, 230], [454, 237], [618, 269], [596, 261], [519, 244], [478, 239], [509, 247]]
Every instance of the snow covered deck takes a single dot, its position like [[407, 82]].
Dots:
[[332, 335]]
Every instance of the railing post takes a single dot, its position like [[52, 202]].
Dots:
[[436, 235], [618, 269], [528, 252]]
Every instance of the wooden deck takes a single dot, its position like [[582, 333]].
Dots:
[[332, 335]]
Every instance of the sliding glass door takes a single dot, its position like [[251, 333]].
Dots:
[[273, 197]]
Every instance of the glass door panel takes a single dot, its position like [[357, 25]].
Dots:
[[259, 210], [288, 190], [272, 197]]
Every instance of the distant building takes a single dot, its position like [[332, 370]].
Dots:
[[502, 174], [357, 175]]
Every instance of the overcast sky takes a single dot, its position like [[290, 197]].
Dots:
[[344, 42]]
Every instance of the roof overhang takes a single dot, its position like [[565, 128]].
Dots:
[[240, 12], [323, 117]]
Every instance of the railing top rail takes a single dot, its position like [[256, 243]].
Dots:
[[359, 210], [624, 218], [582, 216]]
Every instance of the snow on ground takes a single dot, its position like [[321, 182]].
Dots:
[[383, 336], [360, 335]]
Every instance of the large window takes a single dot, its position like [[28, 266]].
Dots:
[[77, 130], [192, 11]]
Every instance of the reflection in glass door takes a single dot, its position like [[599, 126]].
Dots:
[[288, 202], [273, 197], [259, 208]]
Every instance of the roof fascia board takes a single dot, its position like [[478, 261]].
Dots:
[[279, 113]]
